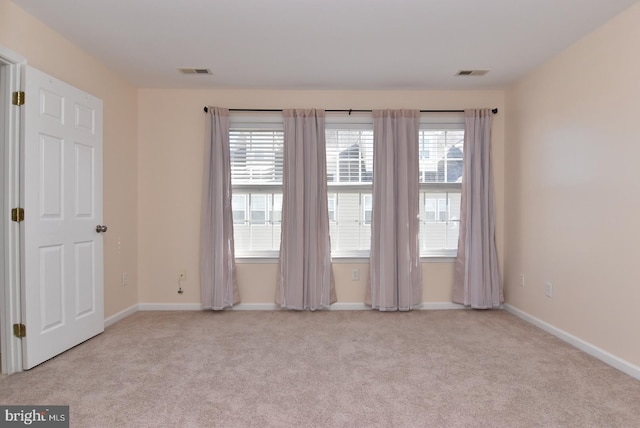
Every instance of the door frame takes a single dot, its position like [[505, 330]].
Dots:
[[10, 307]]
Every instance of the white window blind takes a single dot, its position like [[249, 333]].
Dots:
[[256, 156]]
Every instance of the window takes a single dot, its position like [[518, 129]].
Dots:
[[256, 178], [349, 183], [367, 206], [331, 200], [424, 150], [441, 155], [435, 208], [275, 207], [239, 208], [258, 206]]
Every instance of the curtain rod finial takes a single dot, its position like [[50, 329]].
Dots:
[[206, 109], [494, 111]]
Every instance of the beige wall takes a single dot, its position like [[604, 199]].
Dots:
[[171, 131], [51, 53], [573, 189]]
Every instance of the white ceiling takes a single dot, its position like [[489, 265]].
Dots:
[[324, 44]]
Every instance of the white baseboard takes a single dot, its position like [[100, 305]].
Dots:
[[349, 307], [170, 307], [255, 307], [434, 306], [344, 306], [274, 307], [120, 315], [604, 356]]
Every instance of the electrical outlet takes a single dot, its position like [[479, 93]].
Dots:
[[355, 274], [548, 289], [183, 275], [125, 279], [521, 280]]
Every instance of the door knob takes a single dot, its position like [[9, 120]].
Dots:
[[101, 228]]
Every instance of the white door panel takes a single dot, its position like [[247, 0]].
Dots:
[[62, 283]]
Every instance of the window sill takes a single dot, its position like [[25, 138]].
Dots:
[[257, 260], [438, 259]]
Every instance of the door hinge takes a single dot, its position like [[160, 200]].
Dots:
[[17, 214], [20, 330], [18, 98]]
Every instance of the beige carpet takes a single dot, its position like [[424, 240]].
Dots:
[[326, 369]]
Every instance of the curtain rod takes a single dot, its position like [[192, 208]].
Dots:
[[206, 110]]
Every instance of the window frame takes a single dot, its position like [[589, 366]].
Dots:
[[453, 122], [244, 210], [266, 122], [355, 121]]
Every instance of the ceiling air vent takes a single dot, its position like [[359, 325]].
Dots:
[[194, 70], [472, 72]]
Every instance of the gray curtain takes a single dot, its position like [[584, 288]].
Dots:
[[477, 277], [305, 277], [395, 273], [218, 284]]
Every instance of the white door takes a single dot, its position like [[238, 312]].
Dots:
[[62, 265]]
